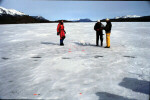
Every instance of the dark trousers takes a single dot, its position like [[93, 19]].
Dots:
[[61, 41], [99, 35]]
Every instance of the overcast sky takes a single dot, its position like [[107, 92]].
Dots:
[[54, 10]]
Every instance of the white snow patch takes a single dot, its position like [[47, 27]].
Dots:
[[10, 11]]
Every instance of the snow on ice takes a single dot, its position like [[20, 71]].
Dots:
[[34, 66]]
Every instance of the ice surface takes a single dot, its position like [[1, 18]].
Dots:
[[32, 62]]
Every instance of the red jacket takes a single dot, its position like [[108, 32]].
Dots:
[[60, 29]]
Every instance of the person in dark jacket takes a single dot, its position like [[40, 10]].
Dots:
[[99, 32], [61, 31], [108, 31]]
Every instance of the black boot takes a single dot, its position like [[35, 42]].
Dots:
[[61, 44], [107, 47]]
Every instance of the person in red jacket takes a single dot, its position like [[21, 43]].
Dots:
[[61, 32]]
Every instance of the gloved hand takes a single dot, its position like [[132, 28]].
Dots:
[[104, 28], [65, 32], [57, 33]]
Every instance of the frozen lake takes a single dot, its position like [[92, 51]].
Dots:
[[34, 66]]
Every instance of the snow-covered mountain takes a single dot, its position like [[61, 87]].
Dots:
[[127, 16], [81, 20], [12, 12], [12, 16]]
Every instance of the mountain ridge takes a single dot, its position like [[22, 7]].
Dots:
[[12, 16], [130, 18]]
